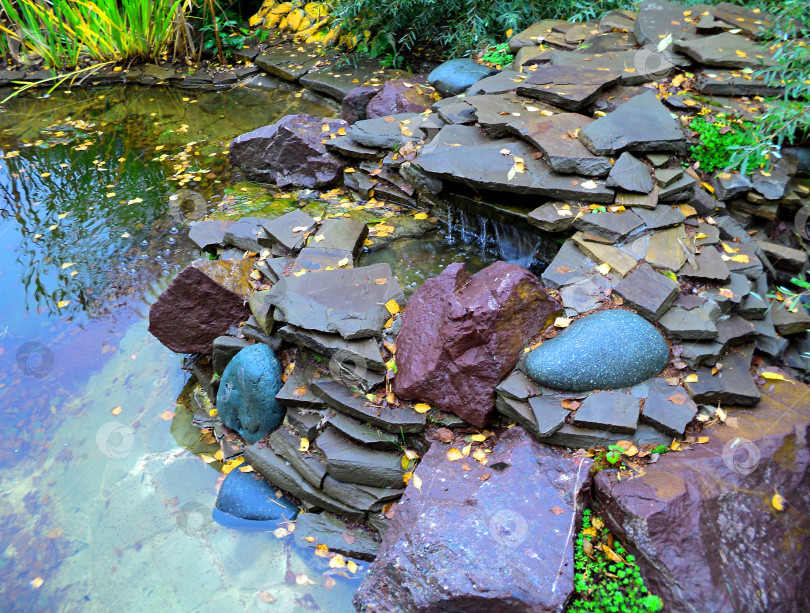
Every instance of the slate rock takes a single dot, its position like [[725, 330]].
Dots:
[[479, 162], [246, 399], [343, 234], [472, 524], [708, 266], [337, 81], [305, 420], [701, 353], [456, 76], [785, 258], [210, 295], [363, 497], [632, 66], [789, 323], [224, 348], [310, 465], [462, 334], [611, 411], [611, 226], [630, 174], [534, 34], [287, 231], [668, 408], [517, 386], [620, 262], [289, 152], [730, 184], [280, 473], [728, 481], [726, 50], [209, 233], [734, 83], [658, 19], [549, 415], [247, 496], [244, 234], [552, 217], [640, 124], [391, 419], [552, 136], [660, 217], [733, 385], [690, 324], [326, 529], [568, 87], [297, 389], [347, 301], [387, 133], [345, 146], [668, 249], [567, 266], [287, 62], [605, 350], [504, 81], [362, 353], [363, 434], [355, 103], [648, 292], [399, 96], [354, 463]]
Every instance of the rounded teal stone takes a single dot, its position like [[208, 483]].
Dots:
[[606, 350], [246, 400]]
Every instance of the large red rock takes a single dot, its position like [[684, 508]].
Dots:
[[703, 524], [356, 102], [461, 544], [290, 152], [400, 96], [461, 335], [202, 303]]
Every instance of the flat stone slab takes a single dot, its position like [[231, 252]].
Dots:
[[620, 263], [630, 174], [633, 67], [305, 420], [309, 465], [726, 50], [576, 437], [313, 259], [535, 34], [668, 249], [353, 463], [552, 217], [555, 136], [568, 265], [517, 386], [734, 83], [708, 265], [668, 408], [297, 391], [660, 217], [288, 230], [463, 154], [389, 132], [361, 353], [689, 324], [549, 415], [394, 420], [606, 350], [734, 330], [648, 292], [363, 497], [504, 81], [362, 434], [788, 323], [343, 145], [280, 473], [658, 19], [337, 82], [641, 124], [612, 411], [733, 385], [343, 234], [568, 87], [287, 62], [209, 233], [496, 112], [245, 233], [612, 226], [349, 302], [326, 529]]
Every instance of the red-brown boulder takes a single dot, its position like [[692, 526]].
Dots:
[[202, 303], [461, 335], [725, 525], [400, 96]]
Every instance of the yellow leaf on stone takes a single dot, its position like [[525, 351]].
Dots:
[[454, 454], [392, 306], [417, 482], [775, 376], [466, 451], [778, 502], [352, 566], [589, 185], [703, 439], [700, 235], [350, 170], [546, 113], [603, 268], [741, 258], [478, 438], [562, 322], [304, 445], [255, 274], [728, 249], [321, 551], [687, 210], [420, 216], [37, 582], [480, 455], [343, 262], [691, 378], [406, 477], [421, 407], [389, 323]]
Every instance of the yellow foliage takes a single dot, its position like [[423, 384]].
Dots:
[[317, 10], [283, 24], [282, 9], [294, 20], [331, 37], [271, 21]]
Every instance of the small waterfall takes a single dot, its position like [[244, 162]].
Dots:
[[507, 242]]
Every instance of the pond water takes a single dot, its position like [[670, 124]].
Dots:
[[100, 508]]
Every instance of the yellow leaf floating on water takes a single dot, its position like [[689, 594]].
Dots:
[[454, 454], [117, 410], [778, 502], [321, 551], [420, 216], [691, 379], [62, 303], [775, 376], [337, 561], [352, 566], [37, 582], [392, 306], [421, 407], [304, 445], [67, 265], [63, 215]]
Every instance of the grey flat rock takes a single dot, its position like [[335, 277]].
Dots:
[[344, 234], [548, 414], [353, 463], [612, 226], [309, 465], [568, 87], [286, 62], [733, 385], [726, 50], [389, 132], [552, 217], [362, 434], [288, 230], [209, 233], [630, 174], [362, 353], [648, 292], [612, 411], [668, 408], [331, 531]]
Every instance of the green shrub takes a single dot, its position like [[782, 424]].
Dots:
[[718, 138], [498, 55], [606, 578]]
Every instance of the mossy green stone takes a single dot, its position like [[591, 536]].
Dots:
[[606, 350]]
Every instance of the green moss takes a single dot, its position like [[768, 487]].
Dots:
[[606, 577], [719, 137]]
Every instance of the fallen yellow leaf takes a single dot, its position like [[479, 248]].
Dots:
[[775, 376], [392, 306], [778, 502], [421, 407], [304, 445], [454, 454]]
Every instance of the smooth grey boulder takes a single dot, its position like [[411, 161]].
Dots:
[[606, 350], [456, 76]]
